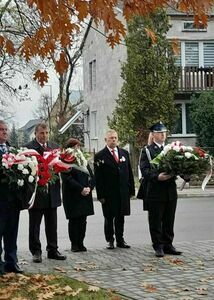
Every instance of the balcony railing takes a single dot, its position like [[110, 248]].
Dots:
[[194, 79]]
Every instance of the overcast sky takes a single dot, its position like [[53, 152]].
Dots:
[[24, 111]]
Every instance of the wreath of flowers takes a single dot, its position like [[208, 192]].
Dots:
[[177, 159]]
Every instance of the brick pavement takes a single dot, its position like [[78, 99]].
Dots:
[[136, 274]]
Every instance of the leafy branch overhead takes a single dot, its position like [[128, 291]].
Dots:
[[32, 28]]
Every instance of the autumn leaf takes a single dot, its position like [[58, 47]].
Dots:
[[1, 41], [59, 269], [150, 34], [148, 287], [176, 46], [41, 77], [10, 47], [92, 288], [61, 65]]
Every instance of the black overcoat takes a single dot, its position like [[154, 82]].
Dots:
[[156, 190], [114, 181], [75, 204], [52, 198]]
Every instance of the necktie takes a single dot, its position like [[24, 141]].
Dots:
[[114, 155], [161, 147], [3, 148]]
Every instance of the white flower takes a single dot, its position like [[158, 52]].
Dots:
[[33, 171], [122, 159], [189, 148], [188, 154], [20, 182], [166, 149], [4, 164], [20, 167], [25, 171], [30, 178], [176, 148]]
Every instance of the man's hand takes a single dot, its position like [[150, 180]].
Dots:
[[102, 200], [86, 191], [163, 176]]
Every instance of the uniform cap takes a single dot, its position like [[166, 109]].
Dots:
[[158, 127]]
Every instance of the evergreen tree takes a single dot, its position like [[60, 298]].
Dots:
[[202, 116], [150, 79], [14, 137]]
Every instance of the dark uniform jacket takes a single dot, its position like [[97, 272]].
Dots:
[[51, 198], [156, 190], [114, 182], [75, 204]]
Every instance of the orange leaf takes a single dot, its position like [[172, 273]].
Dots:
[[151, 35], [10, 47], [41, 77], [176, 47], [62, 64], [1, 41]]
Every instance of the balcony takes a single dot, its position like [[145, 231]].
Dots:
[[194, 79]]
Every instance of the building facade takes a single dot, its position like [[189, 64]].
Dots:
[[102, 81]]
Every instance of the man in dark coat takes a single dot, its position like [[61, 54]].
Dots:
[[45, 204], [114, 185], [10, 205], [161, 198]]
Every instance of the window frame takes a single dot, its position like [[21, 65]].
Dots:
[[183, 120]]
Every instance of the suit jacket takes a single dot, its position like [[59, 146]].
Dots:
[[51, 198], [75, 204], [114, 181], [11, 196], [156, 190]]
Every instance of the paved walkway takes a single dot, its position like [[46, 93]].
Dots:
[[136, 274]]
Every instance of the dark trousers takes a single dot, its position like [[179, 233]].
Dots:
[[161, 222], [114, 225], [76, 230], [35, 219], [9, 222]]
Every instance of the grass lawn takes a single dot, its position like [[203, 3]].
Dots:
[[54, 286]]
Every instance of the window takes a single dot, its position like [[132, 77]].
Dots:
[[208, 54], [92, 75], [93, 124], [191, 26], [191, 54], [184, 123]]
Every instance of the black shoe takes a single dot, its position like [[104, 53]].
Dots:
[[56, 255], [159, 252], [82, 248], [2, 273], [75, 248], [12, 269], [171, 250], [123, 245], [110, 245], [37, 258]]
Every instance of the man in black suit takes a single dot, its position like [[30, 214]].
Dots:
[[161, 198], [10, 205], [45, 204], [115, 186]]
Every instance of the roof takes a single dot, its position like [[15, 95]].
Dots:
[[75, 96], [175, 12], [30, 124], [70, 122]]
